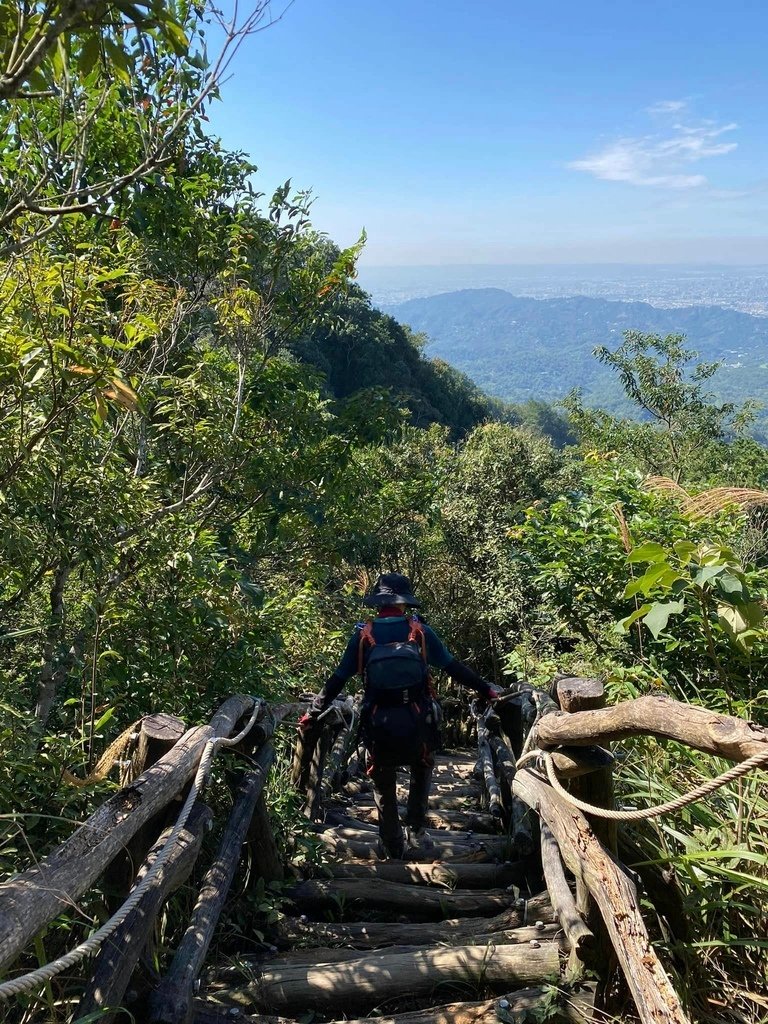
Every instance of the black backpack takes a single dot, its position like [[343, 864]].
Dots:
[[400, 715]]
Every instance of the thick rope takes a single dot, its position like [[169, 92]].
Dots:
[[41, 975], [756, 761]]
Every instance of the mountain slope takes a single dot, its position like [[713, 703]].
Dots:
[[519, 348]]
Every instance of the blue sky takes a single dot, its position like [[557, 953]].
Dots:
[[510, 132]]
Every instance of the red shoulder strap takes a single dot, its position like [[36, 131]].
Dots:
[[418, 636], [366, 637]]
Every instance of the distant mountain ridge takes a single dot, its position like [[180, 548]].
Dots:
[[520, 348]]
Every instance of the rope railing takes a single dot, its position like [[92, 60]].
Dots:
[[41, 975]]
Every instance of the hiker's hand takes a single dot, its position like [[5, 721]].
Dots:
[[307, 722]]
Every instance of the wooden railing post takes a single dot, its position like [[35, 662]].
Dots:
[[576, 694]]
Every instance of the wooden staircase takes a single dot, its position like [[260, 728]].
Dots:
[[458, 934]]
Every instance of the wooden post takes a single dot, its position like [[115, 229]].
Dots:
[[575, 695], [655, 998], [115, 962], [596, 788], [157, 735], [31, 899], [172, 1002], [265, 858]]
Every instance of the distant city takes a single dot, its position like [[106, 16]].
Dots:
[[744, 288]]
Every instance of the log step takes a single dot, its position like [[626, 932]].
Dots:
[[368, 981], [528, 1003], [448, 874], [397, 898], [370, 934]]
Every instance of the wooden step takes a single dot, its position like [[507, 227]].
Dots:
[[317, 955], [364, 809], [447, 874], [395, 898], [378, 977], [370, 934], [525, 1004]]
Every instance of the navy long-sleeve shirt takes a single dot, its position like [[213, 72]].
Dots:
[[389, 629]]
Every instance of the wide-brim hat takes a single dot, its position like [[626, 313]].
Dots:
[[391, 588]]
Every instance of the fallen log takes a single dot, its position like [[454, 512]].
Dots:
[[580, 938], [371, 980], [448, 874], [369, 934], [171, 1003], [422, 903], [659, 715], [614, 894], [31, 899], [115, 962]]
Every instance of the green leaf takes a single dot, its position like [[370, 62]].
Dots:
[[104, 719], [657, 618], [709, 572], [650, 551], [684, 549], [645, 583], [623, 625]]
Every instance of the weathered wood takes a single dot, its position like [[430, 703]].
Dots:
[[31, 899], [658, 715], [577, 695], [157, 735], [369, 934], [423, 903], [615, 895], [572, 762], [265, 857], [452, 821], [580, 937], [363, 842], [172, 1002], [114, 964], [520, 818], [365, 982], [446, 874], [338, 954], [522, 1005], [490, 781]]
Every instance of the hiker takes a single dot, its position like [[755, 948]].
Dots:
[[400, 715]]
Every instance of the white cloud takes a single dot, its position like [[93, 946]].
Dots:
[[667, 107], [659, 161]]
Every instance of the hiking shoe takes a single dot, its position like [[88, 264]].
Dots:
[[417, 840], [390, 852]]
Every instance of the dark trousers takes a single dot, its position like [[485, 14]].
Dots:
[[384, 778]]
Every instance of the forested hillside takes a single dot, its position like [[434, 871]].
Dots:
[[518, 348], [210, 443]]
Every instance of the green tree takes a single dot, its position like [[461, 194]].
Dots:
[[682, 429]]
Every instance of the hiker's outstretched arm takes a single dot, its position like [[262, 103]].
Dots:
[[468, 677], [439, 656], [335, 682]]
